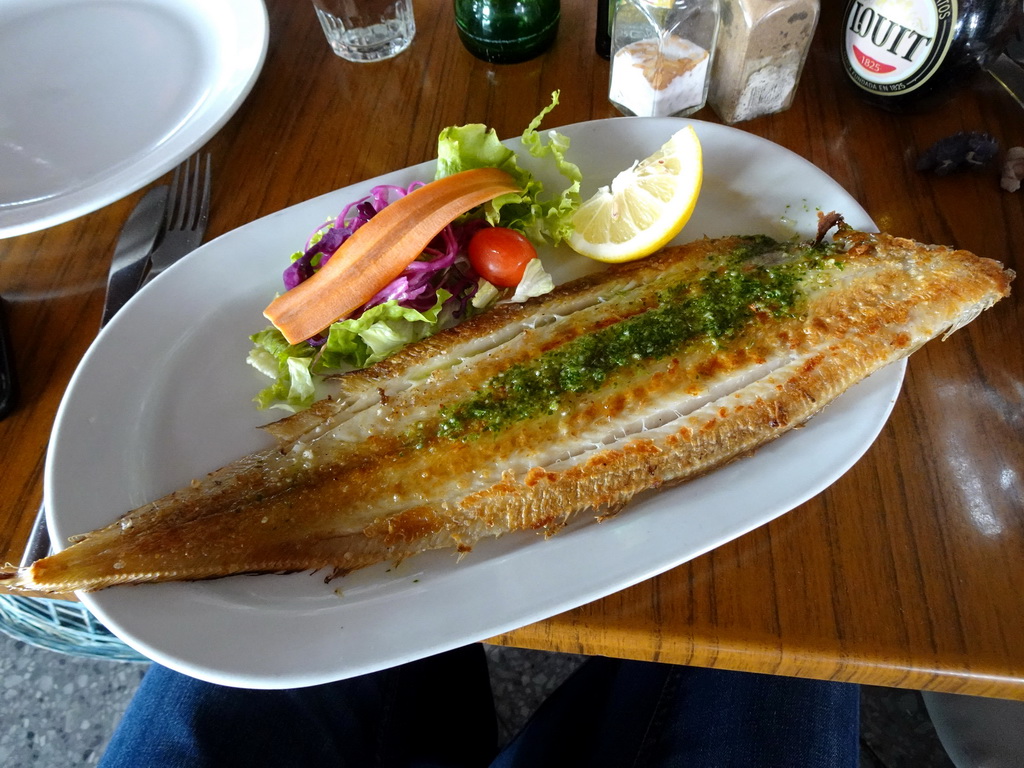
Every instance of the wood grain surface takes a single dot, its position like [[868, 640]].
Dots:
[[908, 571]]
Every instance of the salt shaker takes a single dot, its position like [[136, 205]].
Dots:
[[762, 46], [661, 56]]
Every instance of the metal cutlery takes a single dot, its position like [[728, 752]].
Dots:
[[127, 269], [188, 210], [180, 226], [131, 254], [38, 539]]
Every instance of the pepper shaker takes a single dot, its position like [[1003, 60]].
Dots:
[[661, 56], [762, 46]]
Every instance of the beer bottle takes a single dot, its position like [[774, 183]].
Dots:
[[911, 55]]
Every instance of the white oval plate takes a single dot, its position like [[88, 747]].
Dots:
[[166, 391], [100, 97]]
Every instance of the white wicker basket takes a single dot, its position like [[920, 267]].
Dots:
[[63, 626]]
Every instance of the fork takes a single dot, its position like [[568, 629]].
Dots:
[[185, 217], [188, 209]]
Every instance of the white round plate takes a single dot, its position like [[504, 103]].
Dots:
[[166, 391], [100, 97]]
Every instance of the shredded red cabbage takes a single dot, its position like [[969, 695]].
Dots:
[[334, 233], [441, 266]]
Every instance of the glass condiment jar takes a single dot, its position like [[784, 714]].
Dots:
[[762, 47], [507, 31], [661, 56]]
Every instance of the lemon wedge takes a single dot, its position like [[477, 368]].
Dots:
[[645, 206]]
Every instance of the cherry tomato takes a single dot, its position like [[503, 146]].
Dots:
[[500, 255]]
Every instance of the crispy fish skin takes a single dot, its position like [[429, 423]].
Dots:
[[431, 448]]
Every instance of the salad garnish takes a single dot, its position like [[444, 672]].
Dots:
[[441, 286]]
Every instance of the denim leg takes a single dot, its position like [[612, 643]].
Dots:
[[433, 713], [628, 714]]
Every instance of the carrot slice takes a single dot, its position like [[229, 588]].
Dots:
[[380, 249]]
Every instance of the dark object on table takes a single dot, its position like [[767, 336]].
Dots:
[[8, 386], [961, 151]]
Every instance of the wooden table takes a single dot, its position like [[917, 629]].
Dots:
[[907, 572]]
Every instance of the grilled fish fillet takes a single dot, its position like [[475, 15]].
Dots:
[[642, 376]]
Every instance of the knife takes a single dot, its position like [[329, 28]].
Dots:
[[127, 268], [131, 254]]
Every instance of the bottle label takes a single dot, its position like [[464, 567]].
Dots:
[[892, 47]]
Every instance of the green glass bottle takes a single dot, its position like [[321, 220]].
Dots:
[[507, 31]]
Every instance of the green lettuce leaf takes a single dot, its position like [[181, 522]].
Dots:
[[355, 343], [540, 217], [377, 333], [289, 365]]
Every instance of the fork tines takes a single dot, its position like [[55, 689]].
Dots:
[[190, 209]]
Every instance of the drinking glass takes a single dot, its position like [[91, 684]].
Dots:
[[367, 30]]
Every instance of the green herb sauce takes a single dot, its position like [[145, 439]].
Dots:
[[718, 306]]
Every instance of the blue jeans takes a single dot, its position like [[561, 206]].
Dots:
[[438, 713]]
